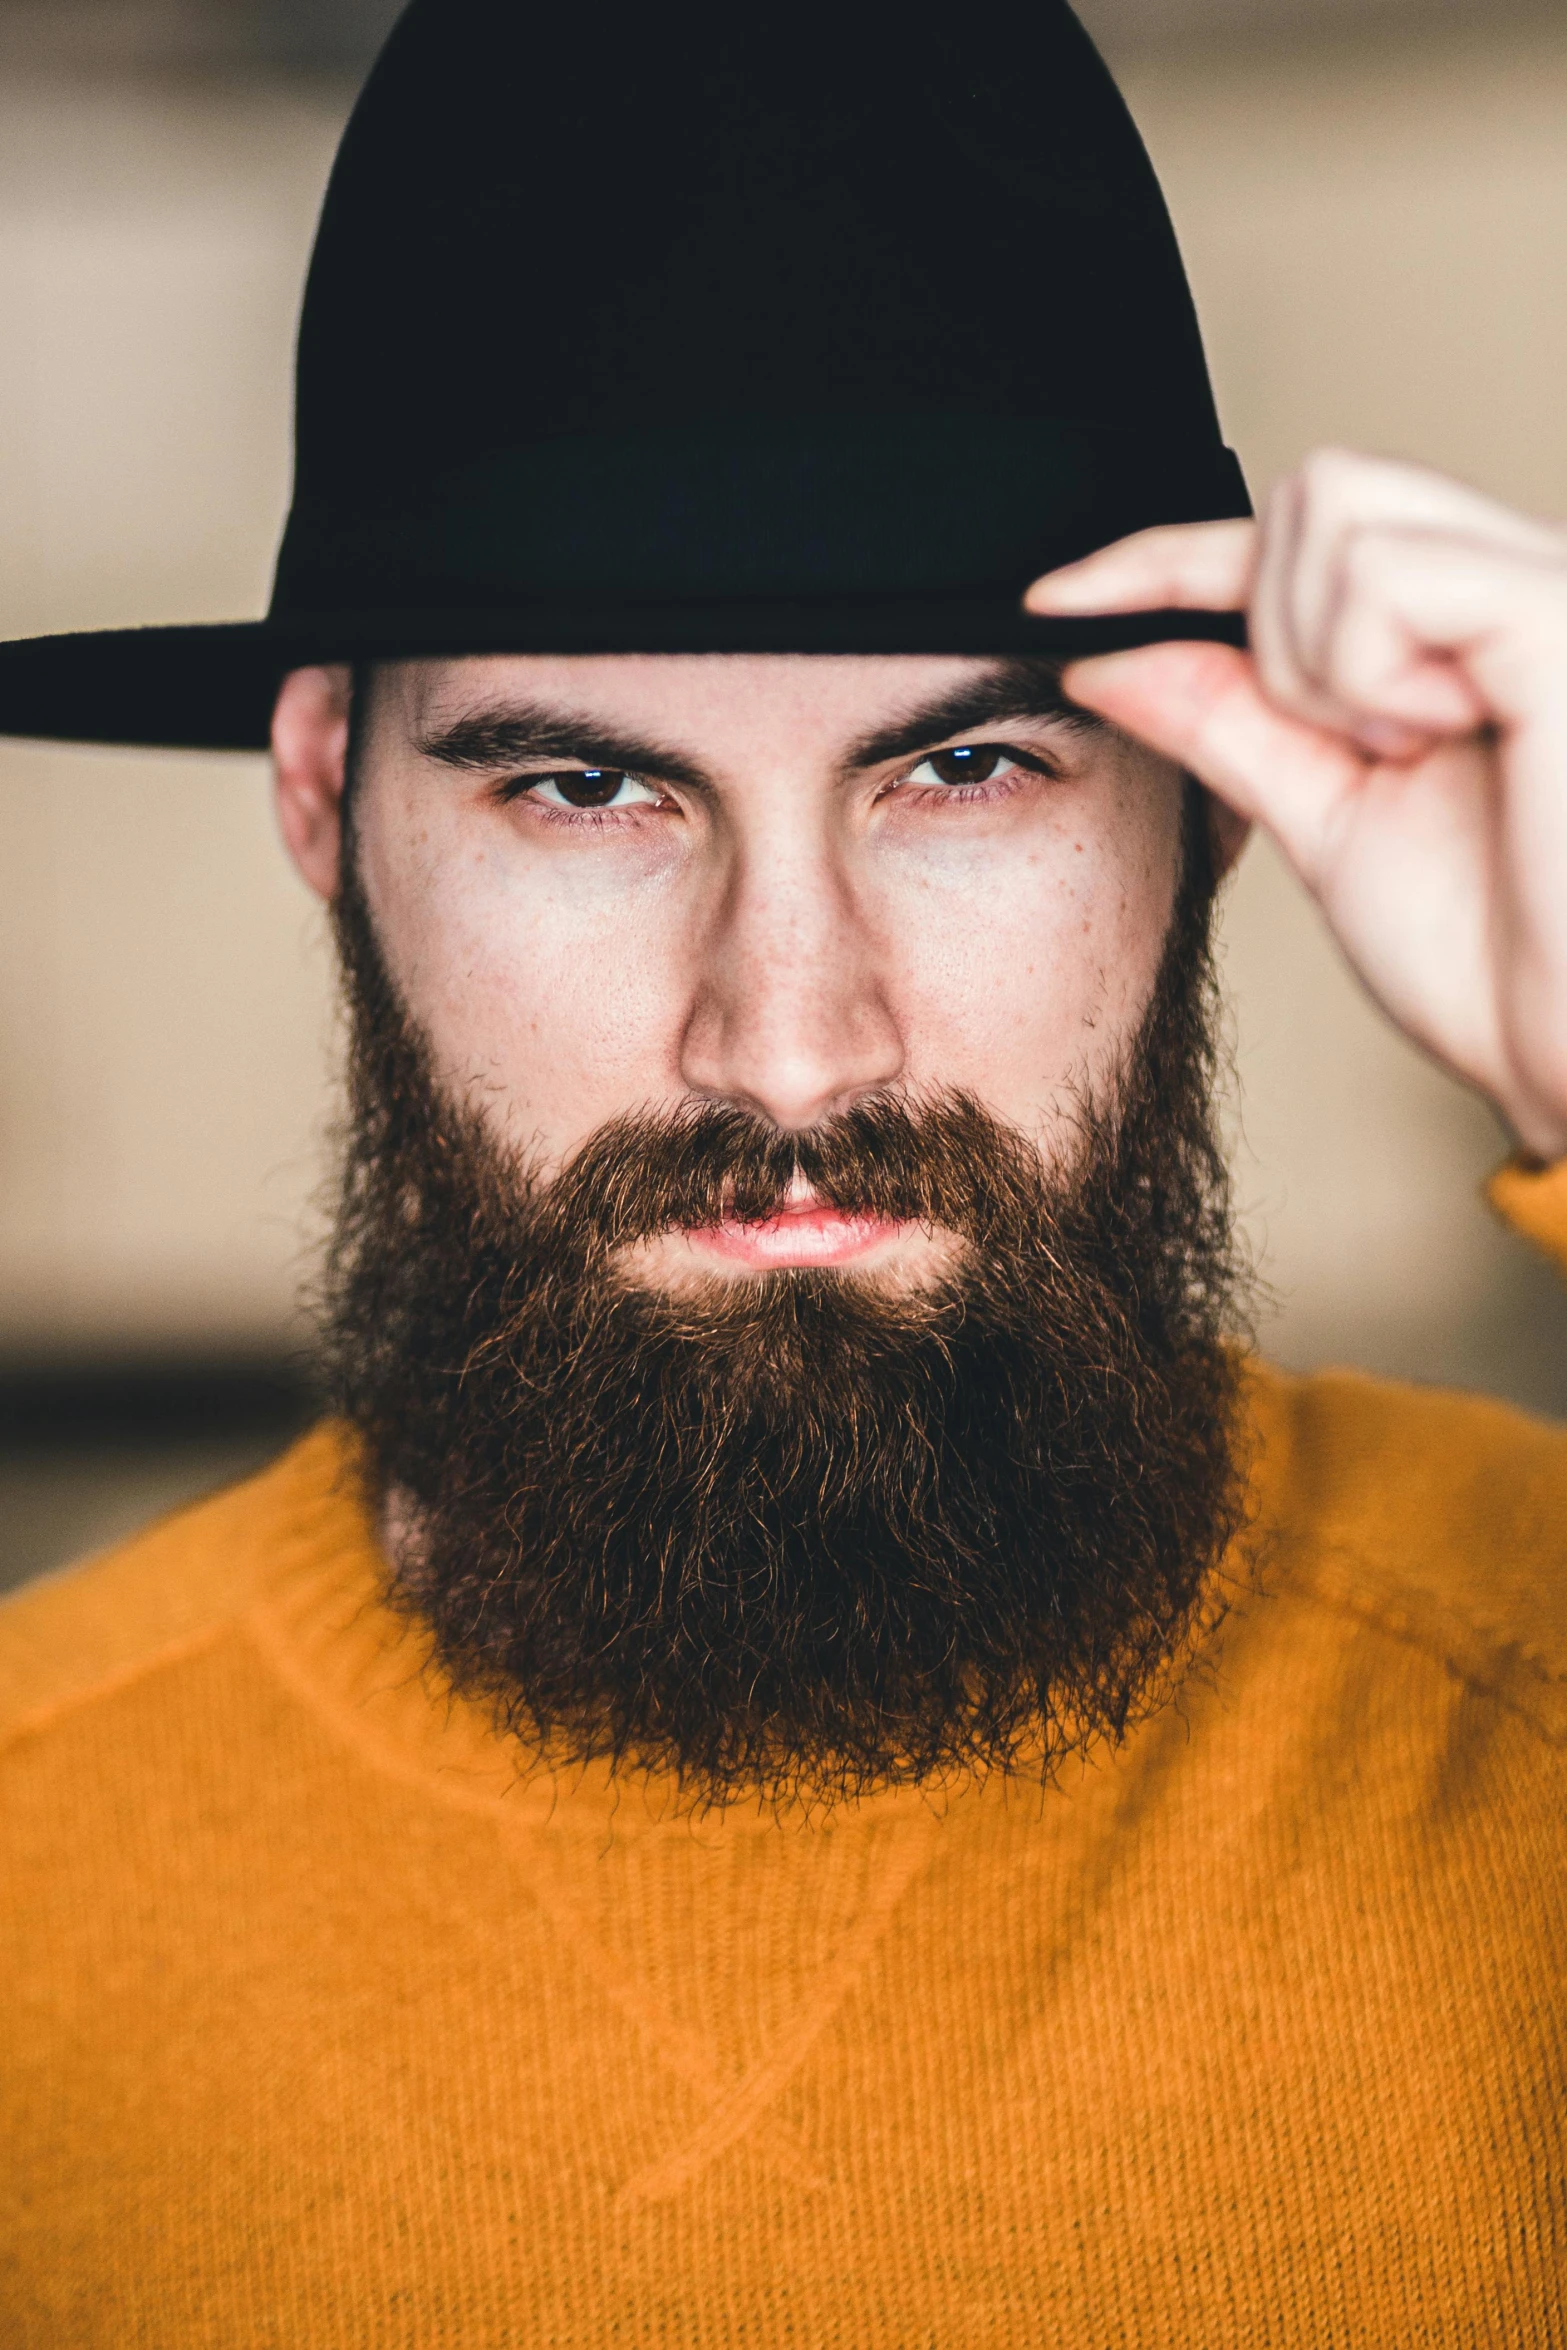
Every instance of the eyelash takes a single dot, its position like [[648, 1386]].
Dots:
[[989, 788], [526, 787]]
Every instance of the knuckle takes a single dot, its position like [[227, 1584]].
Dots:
[[1342, 483], [1330, 472], [1368, 558]]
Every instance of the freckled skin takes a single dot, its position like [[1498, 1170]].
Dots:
[[787, 938]]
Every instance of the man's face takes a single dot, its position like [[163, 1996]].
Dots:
[[605, 885], [781, 1259]]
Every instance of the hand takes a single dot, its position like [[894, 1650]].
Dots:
[[1399, 726]]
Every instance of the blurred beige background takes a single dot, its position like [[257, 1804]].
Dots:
[[1374, 212]]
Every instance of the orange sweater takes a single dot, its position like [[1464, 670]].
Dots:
[[319, 2030]]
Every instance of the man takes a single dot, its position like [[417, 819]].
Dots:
[[814, 1754]]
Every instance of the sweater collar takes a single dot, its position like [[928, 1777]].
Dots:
[[321, 1615]]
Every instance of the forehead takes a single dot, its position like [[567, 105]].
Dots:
[[712, 700]]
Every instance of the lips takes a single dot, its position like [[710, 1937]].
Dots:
[[809, 1235]]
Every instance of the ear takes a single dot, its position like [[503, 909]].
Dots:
[[309, 764], [1228, 833]]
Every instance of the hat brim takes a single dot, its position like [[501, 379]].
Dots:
[[213, 687]]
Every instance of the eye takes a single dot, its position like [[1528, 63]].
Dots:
[[971, 763], [589, 787]]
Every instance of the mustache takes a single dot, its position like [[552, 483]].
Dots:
[[945, 1160]]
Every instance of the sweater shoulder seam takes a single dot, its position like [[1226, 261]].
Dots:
[[1511, 1672], [41, 1718]]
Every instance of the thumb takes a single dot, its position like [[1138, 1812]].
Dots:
[[1201, 706]]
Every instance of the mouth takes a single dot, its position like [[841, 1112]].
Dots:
[[804, 1235]]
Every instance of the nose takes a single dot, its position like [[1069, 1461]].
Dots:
[[789, 1016]]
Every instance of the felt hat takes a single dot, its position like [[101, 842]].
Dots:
[[706, 327]]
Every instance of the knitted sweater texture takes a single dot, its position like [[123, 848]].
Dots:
[[320, 2026]]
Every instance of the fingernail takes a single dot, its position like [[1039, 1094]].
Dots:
[[1057, 589]]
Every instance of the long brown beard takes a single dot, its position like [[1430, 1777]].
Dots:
[[794, 1534]]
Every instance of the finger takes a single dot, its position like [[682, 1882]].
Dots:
[[1337, 494], [1440, 633], [1346, 483], [1190, 566], [1384, 674], [1324, 650], [1272, 622], [1202, 706], [1292, 648]]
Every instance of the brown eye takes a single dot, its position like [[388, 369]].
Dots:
[[969, 763], [590, 788]]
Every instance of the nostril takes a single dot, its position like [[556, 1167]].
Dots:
[[794, 1055]]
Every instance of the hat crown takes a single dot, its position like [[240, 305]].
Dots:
[[602, 219], [714, 328]]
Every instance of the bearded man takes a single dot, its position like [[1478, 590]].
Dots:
[[814, 1752]]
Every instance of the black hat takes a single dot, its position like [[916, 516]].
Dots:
[[701, 328]]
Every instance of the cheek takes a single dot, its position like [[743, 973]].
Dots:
[[558, 1004], [1029, 974]]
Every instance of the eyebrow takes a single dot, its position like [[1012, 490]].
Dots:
[[515, 733], [519, 731], [1022, 688]]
